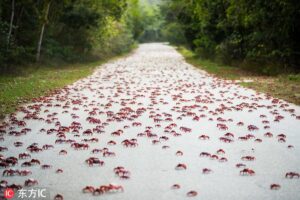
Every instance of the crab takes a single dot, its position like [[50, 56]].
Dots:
[[58, 197], [175, 186], [192, 193], [88, 189], [206, 171], [247, 172], [275, 186], [24, 155], [46, 166], [30, 182], [181, 166], [292, 175]]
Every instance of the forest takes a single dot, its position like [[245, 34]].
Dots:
[[254, 32], [34, 30], [67, 30], [245, 32]]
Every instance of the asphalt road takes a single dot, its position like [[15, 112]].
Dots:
[[166, 123]]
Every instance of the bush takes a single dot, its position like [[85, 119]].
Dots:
[[174, 33], [205, 47]]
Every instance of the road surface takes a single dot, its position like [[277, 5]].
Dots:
[[166, 123]]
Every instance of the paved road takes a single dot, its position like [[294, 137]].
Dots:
[[153, 112]]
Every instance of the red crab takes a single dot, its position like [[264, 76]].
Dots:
[[108, 154], [247, 171], [88, 189], [281, 140], [124, 177], [231, 135], [185, 129], [25, 172], [111, 142], [226, 140], [179, 153], [281, 135], [239, 165], [30, 182], [175, 186], [96, 151], [136, 124], [206, 171], [10, 172], [14, 187], [222, 127], [26, 164], [240, 124], [223, 159], [205, 154], [268, 134], [24, 155], [129, 143], [275, 186], [181, 166], [78, 146], [248, 158], [92, 160], [46, 166], [18, 144], [192, 193], [292, 175], [203, 137], [214, 157], [4, 164], [11, 161], [155, 141], [58, 197], [163, 138], [252, 128], [115, 188], [220, 151], [63, 152], [3, 149]]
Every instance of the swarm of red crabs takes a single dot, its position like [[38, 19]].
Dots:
[[110, 188], [120, 115]]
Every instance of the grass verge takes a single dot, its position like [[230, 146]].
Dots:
[[284, 86], [36, 81]]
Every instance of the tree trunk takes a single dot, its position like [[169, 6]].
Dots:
[[18, 21], [11, 21], [42, 32]]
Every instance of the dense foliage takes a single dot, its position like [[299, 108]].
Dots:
[[68, 30], [248, 31], [241, 31]]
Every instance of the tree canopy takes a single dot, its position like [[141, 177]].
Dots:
[[66, 29], [257, 31]]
